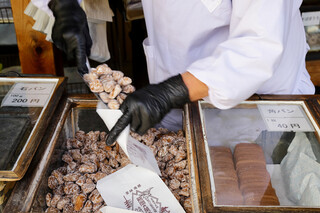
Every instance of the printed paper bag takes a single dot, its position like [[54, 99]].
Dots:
[[138, 189]]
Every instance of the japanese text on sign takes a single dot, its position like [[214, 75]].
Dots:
[[285, 118], [311, 18], [28, 94]]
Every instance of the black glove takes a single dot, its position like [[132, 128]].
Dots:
[[70, 31], [146, 107]]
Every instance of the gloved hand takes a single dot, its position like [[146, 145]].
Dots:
[[146, 107], [70, 31]]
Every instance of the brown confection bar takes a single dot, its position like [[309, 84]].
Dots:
[[225, 177], [254, 179]]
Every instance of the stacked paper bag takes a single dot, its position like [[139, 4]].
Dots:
[[302, 172]]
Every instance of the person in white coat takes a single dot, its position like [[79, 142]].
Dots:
[[222, 51]]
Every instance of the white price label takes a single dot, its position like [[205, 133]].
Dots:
[[28, 94], [285, 118], [311, 18]]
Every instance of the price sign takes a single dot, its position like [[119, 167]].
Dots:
[[311, 18], [28, 94], [285, 118]]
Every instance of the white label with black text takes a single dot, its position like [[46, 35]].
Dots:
[[285, 118], [28, 94]]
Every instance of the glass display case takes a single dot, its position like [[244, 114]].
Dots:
[[74, 115], [27, 105], [262, 155]]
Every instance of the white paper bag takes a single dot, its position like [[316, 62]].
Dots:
[[138, 189], [138, 153]]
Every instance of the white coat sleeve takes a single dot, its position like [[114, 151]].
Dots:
[[241, 64]]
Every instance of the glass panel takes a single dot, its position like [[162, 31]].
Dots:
[[18, 122], [258, 152]]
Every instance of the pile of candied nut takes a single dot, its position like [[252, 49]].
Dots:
[[88, 159], [111, 85]]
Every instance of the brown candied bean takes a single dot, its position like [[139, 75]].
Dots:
[[48, 199], [62, 202], [184, 192], [94, 146], [122, 96], [70, 177], [88, 168], [180, 176], [58, 190], [101, 154], [89, 77], [186, 171], [181, 155], [67, 158], [104, 97], [117, 75], [72, 167], [87, 207], [170, 163], [52, 210], [113, 162], [96, 86], [94, 158], [174, 184], [124, 161], [103, 136], [128, 89], [58, 175], [80, 135], [68, 208], [119, 99], [168, 157], [79, 201], [163, 174], [106, 77], [108, 86], [187, 204], [170, 170], [95, 197], [96, 206], [106, 169], [102, 145], [167, 139], [124, 81], [97, 176], [113, 104], [75, 154], [180, 165], [93, 135], [136, 136], [180, 134], [52, 182], [71, 188], [173, 150], [85, 158], [111, 154], [63, 170], [89, 186], [81, 180], [163, 151], [161, 165], [55, 199], [76, 144], [103, 69], [148, 138], [184, 185], [154, 149]]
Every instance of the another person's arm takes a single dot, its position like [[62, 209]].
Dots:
[[70, 32]]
